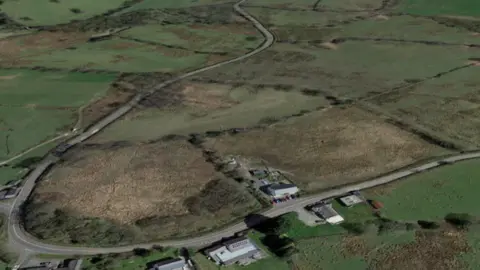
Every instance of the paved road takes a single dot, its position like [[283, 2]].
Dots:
[[24, 241]]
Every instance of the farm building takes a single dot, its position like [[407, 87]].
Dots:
[[239, 250], [281, 190], [327, 212], [351, 200], [170, 264]]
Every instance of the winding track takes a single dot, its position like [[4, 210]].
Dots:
[[23, 241]]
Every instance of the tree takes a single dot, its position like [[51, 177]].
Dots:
[[430, 225]]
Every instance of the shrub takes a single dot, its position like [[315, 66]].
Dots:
[[430, 225], [459, 220], [76, 10]]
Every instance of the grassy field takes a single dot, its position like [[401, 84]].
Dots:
[[441, 7], [46, 12], [36, 106], [199, 107], [155, 191], [352, 69], [349, 4], [329, 148], [234, 38], [283, 3], [405, 28], [153, 4], [121, 55], [450, 99]]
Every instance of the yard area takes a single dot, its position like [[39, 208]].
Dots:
[[46, 12], [192, 107], [152, 191], [154, 4], [329, 148], [127, 261], [43, 102]]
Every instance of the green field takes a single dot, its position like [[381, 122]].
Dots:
[[155, 4], [432, 195], [47, 12], [213, 38], [121, 55], [307, 4], [350, 4], [441, 7], [211, 107], [405, 28], [36, 106], [451, 99]]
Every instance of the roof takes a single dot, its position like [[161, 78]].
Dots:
[[169, 264], [325, 211], [281, 186], [335, 219], [351, 200], [234, 240], [226, 255]]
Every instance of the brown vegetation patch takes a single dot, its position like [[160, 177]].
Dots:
[[330, 148], [227, 28], [121, 45], [215, 58], [431, 250], [14, 47], [96, 110], [9, 77], [206, 96], [355, 245], [130, 183], [172, 52]]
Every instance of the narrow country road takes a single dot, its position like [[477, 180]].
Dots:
[[21, 240]]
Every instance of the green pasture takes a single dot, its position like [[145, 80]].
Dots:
[[206, 39], [245, 107], [405, 28], [357, 68], [122, 56], [449, 99], [48, 12], [350, 4], [155, 4], [434, 194], [36, 106], [306, 4], [441, 7], [307, 18]]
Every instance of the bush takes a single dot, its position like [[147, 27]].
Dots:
[[459, 220], [76, 10], [142, 252], [430, 225], [354, 228]]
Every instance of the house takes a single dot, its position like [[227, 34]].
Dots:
[[282, 190], [351, 200], [327, 212], [170, 264], [238, 250]]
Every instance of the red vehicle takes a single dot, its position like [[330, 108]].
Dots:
[[376, 204]]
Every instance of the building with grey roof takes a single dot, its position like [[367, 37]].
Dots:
[[170, 264], [238, 250]]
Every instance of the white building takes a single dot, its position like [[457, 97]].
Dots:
[[282, 190], [351, 200], [327, 212], [239, 250]]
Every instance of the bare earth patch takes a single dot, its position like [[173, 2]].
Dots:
[[329, 45], [327, 149], [130, 183]]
